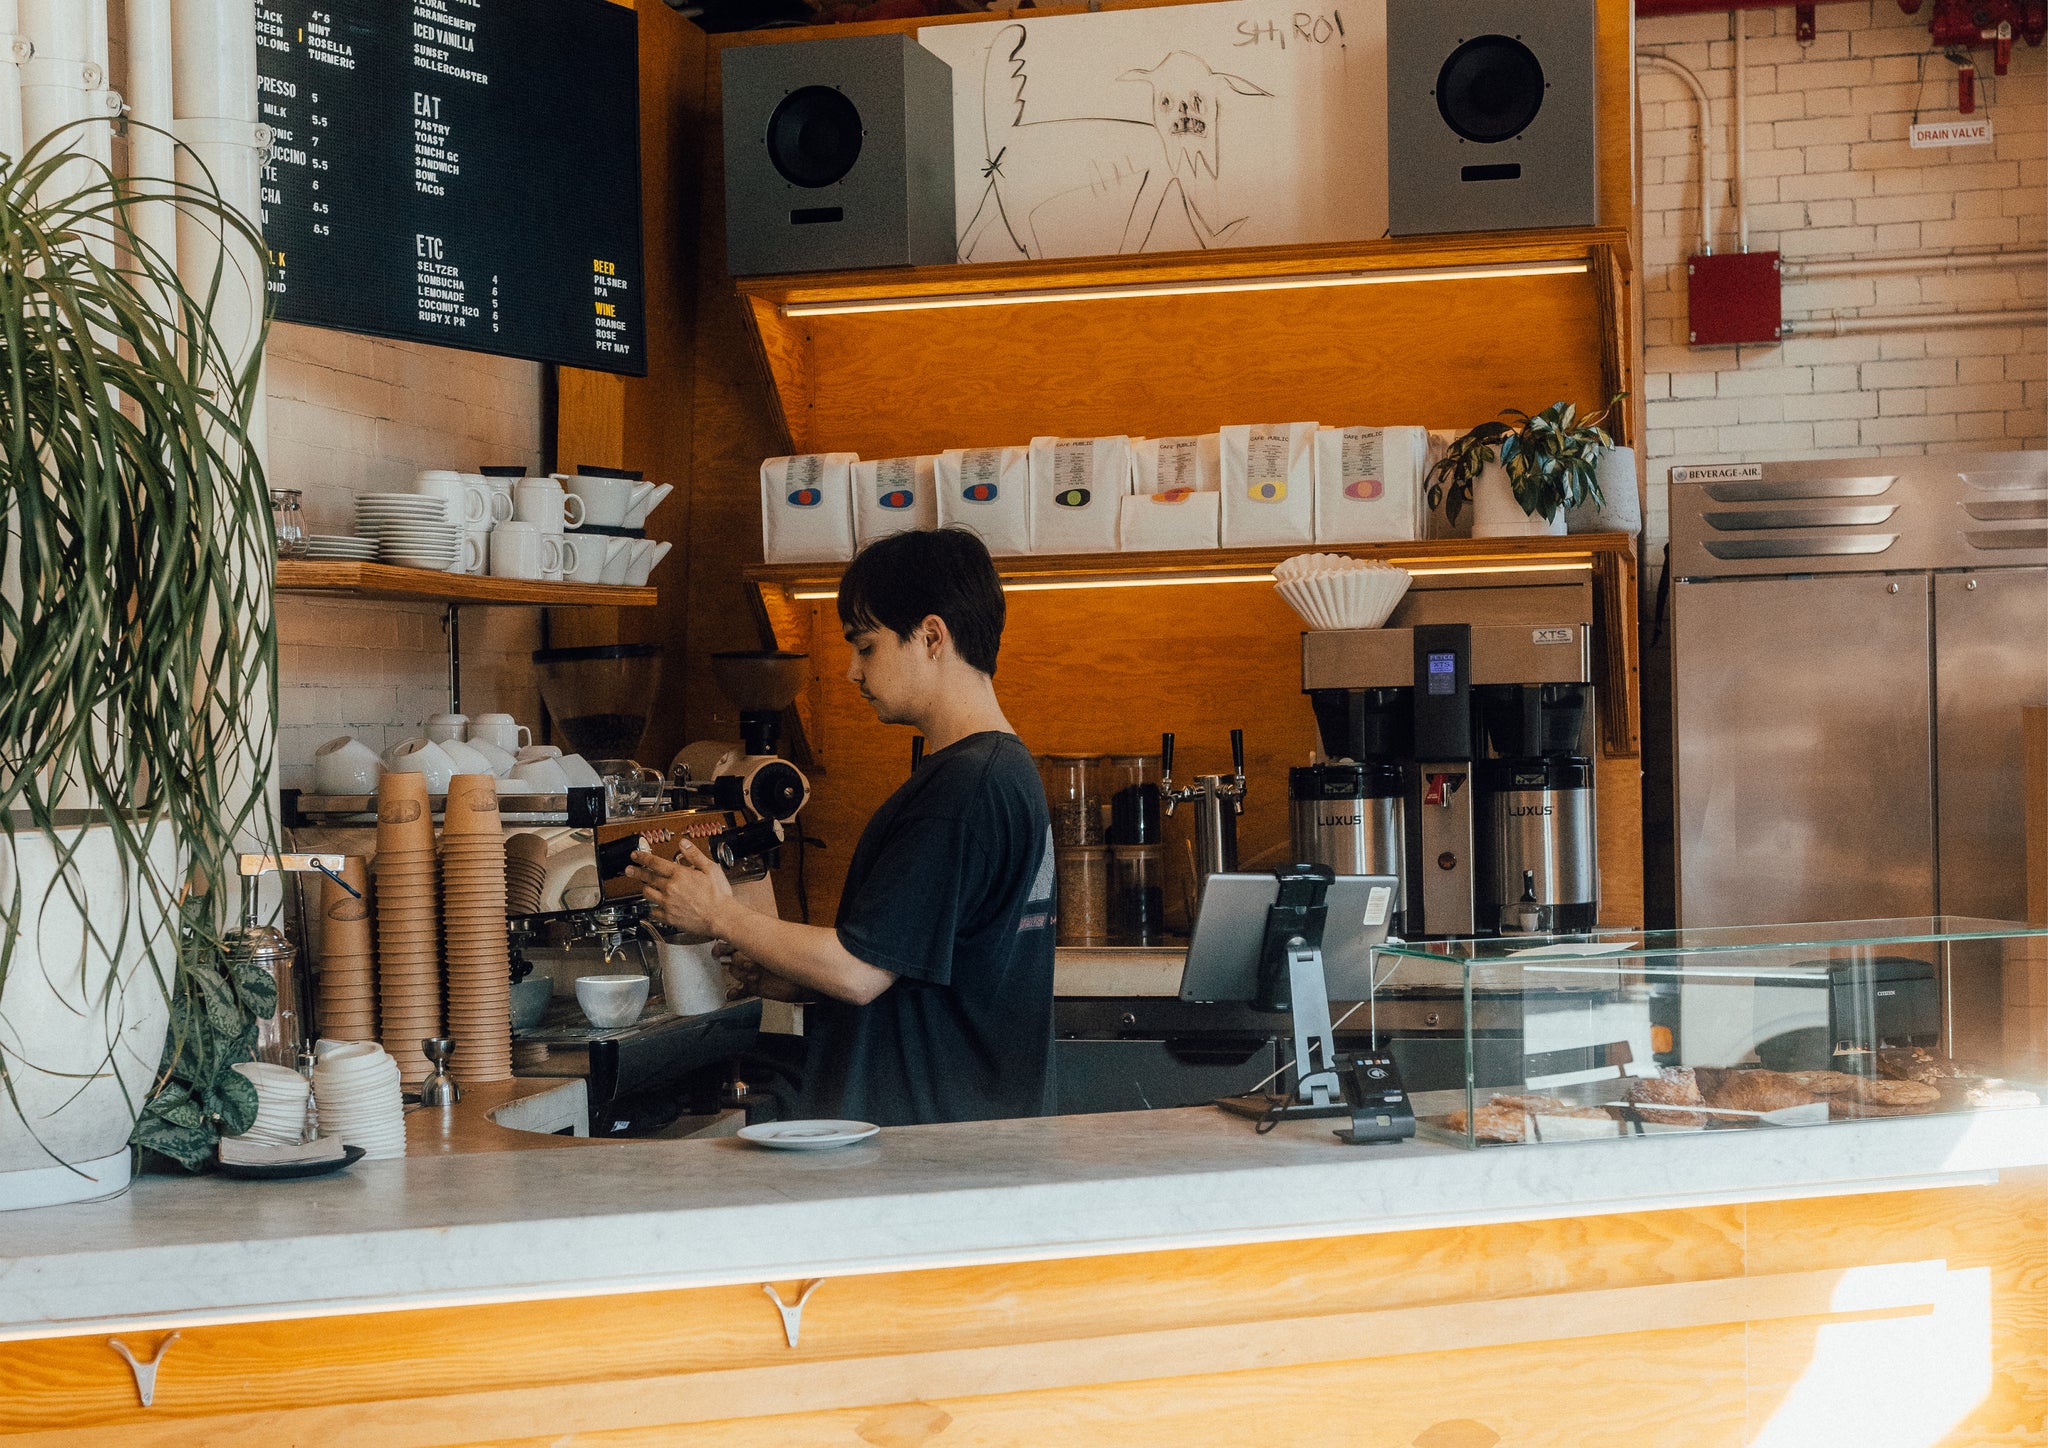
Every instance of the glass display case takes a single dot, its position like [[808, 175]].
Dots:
[[1632, 1033]]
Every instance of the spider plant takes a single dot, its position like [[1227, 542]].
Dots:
[[137, 650]]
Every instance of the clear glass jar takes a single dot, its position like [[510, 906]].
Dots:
[[1082, 879], [1131, 784], [288, 522], [1072, 798]]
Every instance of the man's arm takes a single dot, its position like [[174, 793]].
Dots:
[[691, 893]]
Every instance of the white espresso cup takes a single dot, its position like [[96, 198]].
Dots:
[[541, 500], [504, 731], [467, 499], [346, 766], [572, 551], [587, 566], [497, 500], [521, 550], [545, 774], [443, 727]]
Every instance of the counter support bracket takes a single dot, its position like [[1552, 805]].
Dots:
[[145, 1373], [792, 1315]]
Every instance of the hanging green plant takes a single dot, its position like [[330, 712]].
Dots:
[[137, 651]]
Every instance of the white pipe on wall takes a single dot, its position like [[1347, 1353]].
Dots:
[[1740, 156], [1910, 322], [65, 79], [14, 53], [1891, 265], [152, 154], [1706, 145]]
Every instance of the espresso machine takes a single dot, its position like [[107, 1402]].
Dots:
[[1460, 760]]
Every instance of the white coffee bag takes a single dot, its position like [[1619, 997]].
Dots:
[[1077, 484], [987, 491], [1175, 518], [1162, 463], [893, 495], [807, 508], [1268, 484], [1369, 484]]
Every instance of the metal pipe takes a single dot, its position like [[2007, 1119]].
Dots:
[[152, 154], [1909, 322], [1706, 147], [15, 50], [64, 82], [1740, 157], [1891, 265]]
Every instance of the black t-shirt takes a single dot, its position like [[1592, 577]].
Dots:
[[951, 888]]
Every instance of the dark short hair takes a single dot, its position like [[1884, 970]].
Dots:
[[896, 583]]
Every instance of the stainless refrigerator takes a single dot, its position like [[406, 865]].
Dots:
[[1852, 642]]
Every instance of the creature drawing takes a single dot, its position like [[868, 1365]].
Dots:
[[1102, 185]]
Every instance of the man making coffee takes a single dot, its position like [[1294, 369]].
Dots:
[[935, 982]]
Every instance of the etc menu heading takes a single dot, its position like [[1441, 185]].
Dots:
[[460, 172]]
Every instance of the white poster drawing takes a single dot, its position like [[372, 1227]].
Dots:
[[1175, 128]]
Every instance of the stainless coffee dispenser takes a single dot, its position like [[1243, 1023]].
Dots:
[[1488, 727], [1351, 817]]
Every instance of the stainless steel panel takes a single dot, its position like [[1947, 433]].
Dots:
[[1538, 652], [1991, 660], [1445, 870], [1803, 749], [1730, 549], [1796, 488], [1744, 520]]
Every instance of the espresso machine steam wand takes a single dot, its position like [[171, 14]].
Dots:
[[1218, 800]]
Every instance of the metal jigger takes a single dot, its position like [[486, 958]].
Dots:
[[439, 1089]]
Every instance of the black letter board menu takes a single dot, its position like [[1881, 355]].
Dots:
[[461, 172]]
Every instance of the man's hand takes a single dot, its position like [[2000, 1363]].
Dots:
[[751, 978], [685, 892]]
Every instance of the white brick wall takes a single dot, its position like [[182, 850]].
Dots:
[[353, 414], [1831, 175]]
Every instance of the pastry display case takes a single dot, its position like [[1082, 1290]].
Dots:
[[1742, 1028]]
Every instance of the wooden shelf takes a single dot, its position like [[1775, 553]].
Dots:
[[785, 595], [984, 355], [387, 581]]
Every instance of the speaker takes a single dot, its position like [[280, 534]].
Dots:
[[838, 153], [1490, 115]]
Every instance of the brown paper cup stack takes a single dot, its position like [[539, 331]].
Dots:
[[346, 993], [408, 923], [473, 932], [526, 873]]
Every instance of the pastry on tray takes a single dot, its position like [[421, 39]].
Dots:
[[1824, 1083], [1673, 1086], [1753, 1090], [1506, 1117], [1917, 1063]]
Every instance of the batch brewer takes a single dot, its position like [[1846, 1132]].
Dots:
[[1480, 734]]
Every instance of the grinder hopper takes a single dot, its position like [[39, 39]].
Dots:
[[762, 682]]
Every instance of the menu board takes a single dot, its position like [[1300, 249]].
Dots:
[[461, 172]]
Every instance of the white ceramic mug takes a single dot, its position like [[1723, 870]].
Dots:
[[645, 557], [497, 500], [466, 758], [591, 555], [567, 552], [578, 771], [540, 500], [656, 494], [546, 774], [346, 766], [443, 727], [520, 550], [501, 761], [422, 756], [504, 731], [468, 501], [618, 557], [471, 554]]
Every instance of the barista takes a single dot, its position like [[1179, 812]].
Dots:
[[935, 984]]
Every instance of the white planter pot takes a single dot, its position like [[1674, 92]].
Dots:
[[82, 1020], [1496, 514]]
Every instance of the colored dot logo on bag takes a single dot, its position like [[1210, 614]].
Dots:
[[1173, 495], [980, 493], [806, 497], [1272, 490], [1072, 498], [1364, 489], [900, 498]]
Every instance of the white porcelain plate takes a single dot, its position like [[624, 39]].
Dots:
[[807, 1135]]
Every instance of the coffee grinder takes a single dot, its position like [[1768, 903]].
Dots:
[[1486, 727]]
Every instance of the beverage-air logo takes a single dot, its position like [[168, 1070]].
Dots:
[[1365, 489], [1072, 497], [805, 497]]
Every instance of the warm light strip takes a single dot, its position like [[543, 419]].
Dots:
[[1138, 290], [810, 595]]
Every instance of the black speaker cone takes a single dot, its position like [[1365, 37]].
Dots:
[[1490, 89], [814, 136]]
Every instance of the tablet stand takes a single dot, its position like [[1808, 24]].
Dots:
[[1291, 979]]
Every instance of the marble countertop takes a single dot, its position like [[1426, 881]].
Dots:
[[643, 1216]]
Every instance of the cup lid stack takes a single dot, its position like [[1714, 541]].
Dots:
[[408, 923], [473, 862], [346, 994], [280, 1103], [526, 873], [357, 1092]]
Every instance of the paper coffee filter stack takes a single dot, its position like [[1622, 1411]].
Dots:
[[1332, 591]]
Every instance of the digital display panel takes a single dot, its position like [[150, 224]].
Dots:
[[1443, 673], [460, 172]]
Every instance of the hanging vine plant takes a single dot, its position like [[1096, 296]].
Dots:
[[137, 650]]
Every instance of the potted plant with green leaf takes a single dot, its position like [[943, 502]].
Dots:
[[1520, 475], [137, 678]]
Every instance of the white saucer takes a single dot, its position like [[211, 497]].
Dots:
[[807, 1135]]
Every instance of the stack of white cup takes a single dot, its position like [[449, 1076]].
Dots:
[[534, 545], [355, 1085], [473, 506], [280, 1104]]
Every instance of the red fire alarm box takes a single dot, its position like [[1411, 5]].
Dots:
[[1733, 299]]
